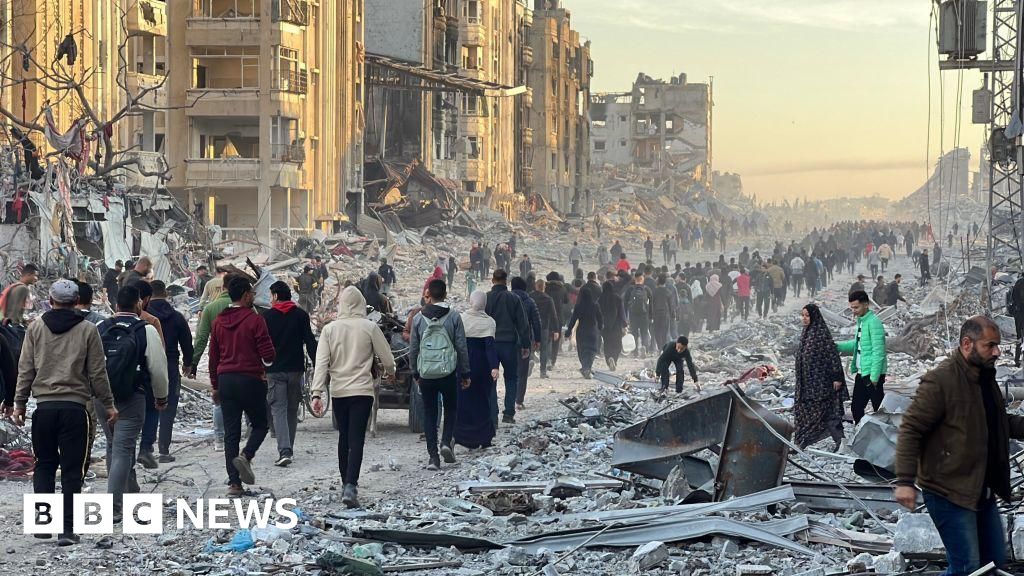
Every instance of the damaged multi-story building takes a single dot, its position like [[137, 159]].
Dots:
[[444, 91], [666, 126], [265, 125], [559, 80]]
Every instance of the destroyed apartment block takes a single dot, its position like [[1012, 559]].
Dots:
[[402, 196]]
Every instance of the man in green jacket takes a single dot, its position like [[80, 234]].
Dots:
[[954, 445], [210, 313], [868, 351]]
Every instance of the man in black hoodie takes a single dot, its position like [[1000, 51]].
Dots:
[[511, 337], [533, 315], [290, 330], [560, 296], [550, 329], [177, 336]]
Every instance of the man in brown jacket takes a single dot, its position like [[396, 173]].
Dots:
[[953, 444]]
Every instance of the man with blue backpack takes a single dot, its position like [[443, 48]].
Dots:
[[440, 360]]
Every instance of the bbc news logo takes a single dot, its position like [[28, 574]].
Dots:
[[144, 513]]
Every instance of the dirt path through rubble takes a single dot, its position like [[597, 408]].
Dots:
[[314, 474]]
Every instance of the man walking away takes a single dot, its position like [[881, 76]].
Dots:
[[954, 444], [177, 336], [142, 269], [648, 250], [665, 308], [926, 271], [387, 275], [869, 363], [796, 269], [743, 293], [306, 286], [110, 282], [575, 256], [1015, 308], [290, 330], [638, 300], [511, 337], [675, 353], [137, 368], [62, 366], [440, 359], [533, 315], [550, 328], [240, 349]]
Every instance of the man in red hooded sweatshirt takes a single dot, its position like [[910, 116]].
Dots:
[[240, 351], [290, 330]]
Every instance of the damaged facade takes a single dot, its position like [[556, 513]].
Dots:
[[659, 125], [265, 130]]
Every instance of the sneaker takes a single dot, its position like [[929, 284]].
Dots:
[[236, 491], [68, 540], [166, 458], [506, 419], [434, 463], [218, 445], [244, 467], [350, 497], [283, 461], [448, 454], [147, 459]]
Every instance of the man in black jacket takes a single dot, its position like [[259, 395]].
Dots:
[[676, 353], [110, 282], [290, 330], [550, 329], [177, 336], [533, 315], [511, 337], [555, 288]]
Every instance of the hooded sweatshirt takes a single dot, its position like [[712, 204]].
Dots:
[[289, 329], [177, 334], [452, 324], [347, 348], [62, 360], [240, 344]]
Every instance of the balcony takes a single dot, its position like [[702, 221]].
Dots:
[[156, 97], [527, 136], [223, 172], [528, 18], [293, 81], [292, 153], [222, 22], [474, 73], [291, 11], [528, 98], [147, 162], [527, 56], [146, 18], [472, 32], [226, 9], [527, 175], [471, 169]]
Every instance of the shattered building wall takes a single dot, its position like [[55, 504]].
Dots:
[[611, 141], [266, 130], [560, 79]]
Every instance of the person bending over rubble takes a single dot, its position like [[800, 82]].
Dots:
[[953, 445], [675, 353]]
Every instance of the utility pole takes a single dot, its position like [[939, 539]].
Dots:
[[961, 22]]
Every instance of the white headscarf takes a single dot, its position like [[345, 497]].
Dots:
[[475, 320], [713, 285]]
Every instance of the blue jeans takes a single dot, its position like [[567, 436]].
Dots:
[[972, 539], [508, 357], [150, 425]]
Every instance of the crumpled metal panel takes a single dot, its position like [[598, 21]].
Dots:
[[751, 458]]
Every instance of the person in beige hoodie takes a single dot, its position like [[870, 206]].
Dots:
[[345, 356]]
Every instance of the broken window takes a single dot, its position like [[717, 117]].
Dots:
[[225, 67]]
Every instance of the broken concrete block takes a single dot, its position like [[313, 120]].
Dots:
[[890, 563], [648, 556], [514, 555], [859, 563], [726, 546], [676, 486], [753, 569], [916, 534]]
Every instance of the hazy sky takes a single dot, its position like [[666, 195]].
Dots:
[[816, 98]]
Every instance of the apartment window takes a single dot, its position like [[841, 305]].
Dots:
[[471, 10], [622, 143], [226, 9], [554, 50], [226, 67], [472, 57], [471, 105], [600, 145], [473, 153], [554, 161], [290, 74]]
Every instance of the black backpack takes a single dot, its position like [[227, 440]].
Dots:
[[124, 345], [15, 335], [637, 301]]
